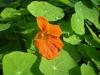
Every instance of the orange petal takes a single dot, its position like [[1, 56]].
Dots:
[[54, 30], [42, 23], [56, 41], [53, 49], [46, 49]]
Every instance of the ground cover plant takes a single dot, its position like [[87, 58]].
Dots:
[[49, 37]]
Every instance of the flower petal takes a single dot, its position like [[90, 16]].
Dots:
[[53, 49], [56, 41], [54, 30], [46, 49], [42, 23]]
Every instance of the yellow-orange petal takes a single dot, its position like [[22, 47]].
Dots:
[[54, 30], [56, 41], [46, 49], [42, 23]]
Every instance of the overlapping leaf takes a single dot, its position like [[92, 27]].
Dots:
[[18, 63], [82, 13], [77, 24], [44, 9], [9, 12], [74, 39], [87, 70], [4, 26], [62, 65]]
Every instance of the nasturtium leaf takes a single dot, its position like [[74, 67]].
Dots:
[[4, 26], [74, 39], [9, 12], [66, 27], [91, 41], [77, 24], [94, 55], [73, 51], [87, 70], [90, 52], [62, 65], [96, 2], [68, 2], [46, 10], [26, 31], [92, 14], [18, 63], [82, 48], [93, 34]]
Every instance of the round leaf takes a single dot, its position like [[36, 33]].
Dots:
[[44, 9], [18, 63], [62, 65]]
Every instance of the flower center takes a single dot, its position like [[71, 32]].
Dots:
[[42, 35], [45, 35]]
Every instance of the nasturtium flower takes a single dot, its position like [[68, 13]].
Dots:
[[47, 40]]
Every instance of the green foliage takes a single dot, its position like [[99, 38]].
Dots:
[[4, 26], [79, 22], [88, 13], [87, 70], [20, 63], [41, 9], [96, 2], [67, 2], [9, 12], [93, 34], [63, 64], [74, 39], [83, 13]]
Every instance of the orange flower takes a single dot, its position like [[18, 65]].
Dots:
[[47, 39]]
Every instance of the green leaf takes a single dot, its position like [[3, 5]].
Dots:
[[66, 27], [82, 13], [73, 51], [92, 14], [90, 52], [77, 24], [46, 10], [94, 55], [74, 39], [4, 26], [18, 63], [62, 65], [96, 2], [91, 41], [67, 2], [87, 70], [93, 34], [9, 12], [27, 31], [31, 48], [82, 48]]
